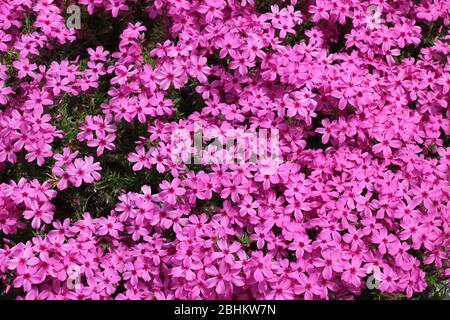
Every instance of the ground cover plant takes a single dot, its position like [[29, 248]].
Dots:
[[105, 193]]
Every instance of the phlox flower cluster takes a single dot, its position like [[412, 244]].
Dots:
[[359, 97]]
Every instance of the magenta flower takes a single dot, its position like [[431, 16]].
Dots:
[[383, 239], [308, 286], [29, 277], [386, 143], [170, 190], [168, 75], [109, 226], [38, 213], [243, 151], [25, 68]]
